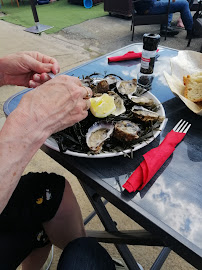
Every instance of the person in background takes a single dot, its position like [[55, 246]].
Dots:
[[161, 7], [179, 21], [37, 210]]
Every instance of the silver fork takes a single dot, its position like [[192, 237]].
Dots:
[[182, 126]]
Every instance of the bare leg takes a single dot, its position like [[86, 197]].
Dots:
[[37, 258], [180, 23], [67, 224]]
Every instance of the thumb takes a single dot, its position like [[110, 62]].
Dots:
[[39, 67]]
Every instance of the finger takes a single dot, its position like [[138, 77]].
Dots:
[[55, 68], [36, 77], [43, 58], [39, 67], [48, 59], [41, 63], [87, 93], [33, 84], [44, 77], [87, 104], [40, 78]]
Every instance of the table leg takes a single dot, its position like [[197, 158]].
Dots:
[[161, 259], [109, 225]]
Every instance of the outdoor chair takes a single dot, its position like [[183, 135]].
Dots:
[[147, 19], [119, 7], [2, 3], [195, 5], [197, 18]]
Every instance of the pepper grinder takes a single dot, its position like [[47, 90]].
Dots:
[[150, 45]]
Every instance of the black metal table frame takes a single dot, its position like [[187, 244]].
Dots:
[[120, 239]]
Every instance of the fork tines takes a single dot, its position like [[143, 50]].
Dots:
[[182, 126]]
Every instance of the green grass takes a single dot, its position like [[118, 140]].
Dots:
[[59, 14]]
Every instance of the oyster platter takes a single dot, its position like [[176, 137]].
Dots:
[[123, 118]]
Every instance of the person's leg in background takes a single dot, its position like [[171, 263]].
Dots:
[[182, 6], [179, 22], [86, 254]]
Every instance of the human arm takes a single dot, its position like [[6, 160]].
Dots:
[[53, 106], [27, 69]]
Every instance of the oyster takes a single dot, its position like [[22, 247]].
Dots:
[[106, 84], [126, 131], [127, 87], [111, 79], [103, 86], [97, 134], [143, 100], [145, 114], [120, 108]]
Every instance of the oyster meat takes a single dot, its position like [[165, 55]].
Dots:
[[127, 87], [103, 86], [97, 134], [126, 131], [145, 115], [120, 108], [143, 100], [106, 84]]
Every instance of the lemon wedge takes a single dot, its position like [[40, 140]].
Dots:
[[102, 106]]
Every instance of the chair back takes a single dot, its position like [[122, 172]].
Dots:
[[147, 19]]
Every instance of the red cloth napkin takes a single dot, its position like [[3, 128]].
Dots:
[[153, 160], [128, 56]]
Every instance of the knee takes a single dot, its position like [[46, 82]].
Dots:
[[184, 4], [85, 253]]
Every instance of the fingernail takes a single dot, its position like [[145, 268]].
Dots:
[[57, 70], [46, 77], [31, 83]]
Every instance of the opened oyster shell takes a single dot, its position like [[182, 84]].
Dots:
[[97, 134], [111, 79], [145, 115], [106, 84], [127, 87], [120, 108], [126, 131], [143, 100]]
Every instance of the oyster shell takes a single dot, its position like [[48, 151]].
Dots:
[[111, 79], [145, 114], [97, 134], [126, 131], [106, 84], [127, 87], [120, 108], [143, 100]]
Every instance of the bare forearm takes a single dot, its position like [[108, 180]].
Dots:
[[53, 106], [18, 143]]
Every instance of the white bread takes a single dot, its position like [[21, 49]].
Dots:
[[193, 87]]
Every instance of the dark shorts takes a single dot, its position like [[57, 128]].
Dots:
[[35, 200]]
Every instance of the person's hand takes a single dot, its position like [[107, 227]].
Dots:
[[55, 105], [27, 69], [173, 1]]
